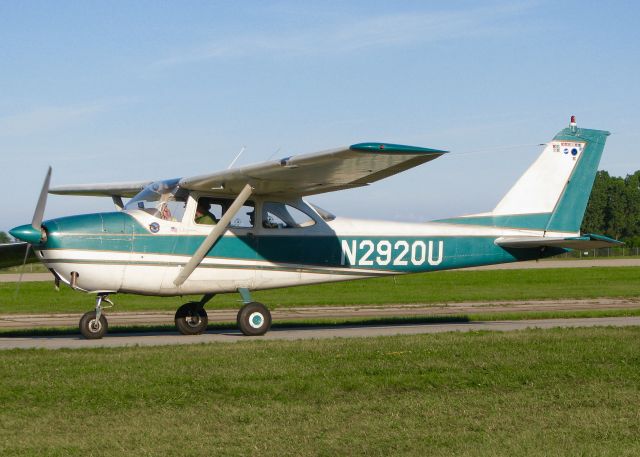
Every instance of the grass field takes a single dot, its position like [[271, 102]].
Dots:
[[440, 287], [535, 392]]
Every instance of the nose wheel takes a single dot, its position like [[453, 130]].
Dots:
[[94, 325]]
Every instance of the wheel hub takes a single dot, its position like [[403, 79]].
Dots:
[[256, 320], [193, 320], [95, 325]]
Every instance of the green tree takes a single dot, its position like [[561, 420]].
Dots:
[[4, 238], [594, 216], [614, 208]]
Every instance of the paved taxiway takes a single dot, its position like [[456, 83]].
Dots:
[[227, 336]]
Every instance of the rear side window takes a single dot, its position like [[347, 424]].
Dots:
[[276, 215]]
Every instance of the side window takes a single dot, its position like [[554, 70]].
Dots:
[[277, 215], [172, 210], [206, 212], [209, 211], [245, 218]]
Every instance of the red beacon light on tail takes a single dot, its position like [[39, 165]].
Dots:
[[573, 124]]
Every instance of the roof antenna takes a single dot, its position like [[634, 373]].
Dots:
[[274, 153], [236, 157]]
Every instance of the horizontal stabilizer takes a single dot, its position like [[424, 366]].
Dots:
[[588, 241]]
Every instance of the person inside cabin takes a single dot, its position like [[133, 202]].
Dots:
[[203, 213]]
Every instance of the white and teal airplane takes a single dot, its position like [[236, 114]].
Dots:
[[250, 228]]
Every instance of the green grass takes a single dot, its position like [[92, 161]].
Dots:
[[440, 287], [29, 268], [536, 393]]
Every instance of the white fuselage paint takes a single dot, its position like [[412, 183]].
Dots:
[[153, 274]]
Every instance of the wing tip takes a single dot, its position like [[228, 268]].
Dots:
[[390, 148]]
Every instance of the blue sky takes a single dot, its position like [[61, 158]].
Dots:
[[118, 91]]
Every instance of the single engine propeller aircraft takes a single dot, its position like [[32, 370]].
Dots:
[[250, 228]]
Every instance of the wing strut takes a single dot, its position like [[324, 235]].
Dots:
[[213, 236]]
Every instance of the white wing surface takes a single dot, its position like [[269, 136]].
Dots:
[[300, 175], [309, 174], [119, 189]]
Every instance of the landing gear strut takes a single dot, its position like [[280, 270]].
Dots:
[[93, 325], [191, 318], [254, 319]]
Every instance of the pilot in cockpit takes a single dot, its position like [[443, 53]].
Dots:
[[203, 213]]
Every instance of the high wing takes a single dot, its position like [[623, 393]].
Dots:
[[304, 174], [308, 174], [589, 241], [120, 189]]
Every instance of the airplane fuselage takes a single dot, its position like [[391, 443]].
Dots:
[[133, 252]]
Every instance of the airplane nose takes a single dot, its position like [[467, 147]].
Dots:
[[28, 233]]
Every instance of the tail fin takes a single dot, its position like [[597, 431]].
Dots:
[[552, 194]]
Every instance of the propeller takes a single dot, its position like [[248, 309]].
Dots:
[[24, 263], [37, 234], [38, 214]]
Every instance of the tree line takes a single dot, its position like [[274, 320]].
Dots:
[[613, 209]]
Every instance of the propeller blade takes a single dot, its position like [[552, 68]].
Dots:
[[36, 223], [24, 262]]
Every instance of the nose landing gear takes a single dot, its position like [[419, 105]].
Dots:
[[94, 325]]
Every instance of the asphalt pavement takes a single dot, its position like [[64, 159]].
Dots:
[[227, 336]]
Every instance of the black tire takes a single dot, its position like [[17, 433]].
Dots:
[[91, 328], [254, 319], [191, 319]]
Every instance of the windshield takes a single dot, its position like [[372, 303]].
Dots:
[[162, 199]]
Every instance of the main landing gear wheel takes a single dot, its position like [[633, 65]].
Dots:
[[254, 319], [191, 319], [92, 328]]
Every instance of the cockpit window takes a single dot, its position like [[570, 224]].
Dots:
[[276, 215], [162, 199], [211, 209]]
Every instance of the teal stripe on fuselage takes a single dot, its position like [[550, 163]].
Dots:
[[536, 221], [123, 233]]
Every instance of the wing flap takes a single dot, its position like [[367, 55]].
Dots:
[[589, 241]]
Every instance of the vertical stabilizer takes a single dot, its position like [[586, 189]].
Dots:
[[559, 182], [552, 194]]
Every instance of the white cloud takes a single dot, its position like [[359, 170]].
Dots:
[[387, 30]]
